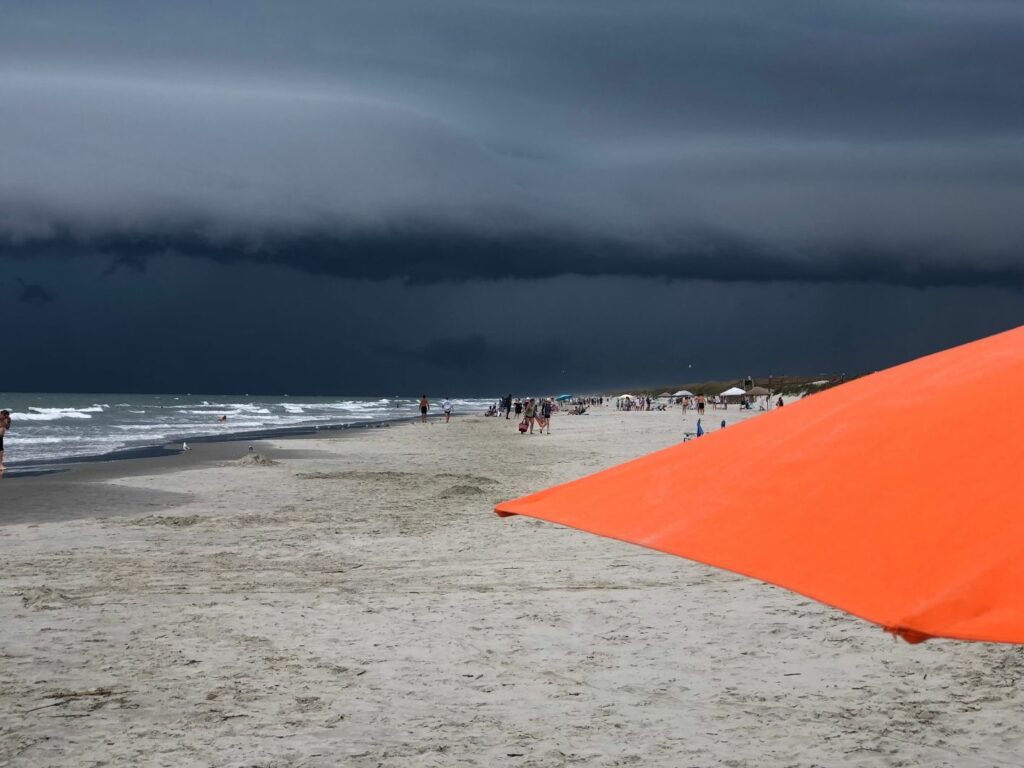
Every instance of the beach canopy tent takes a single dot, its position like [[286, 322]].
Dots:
[[733, 392], [906, 516], [665, 394], [758, 391], [563, 398], [683, 393], [626, 396]]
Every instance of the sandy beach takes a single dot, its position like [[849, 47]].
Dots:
[[358, 603]]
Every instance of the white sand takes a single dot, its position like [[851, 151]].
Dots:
[[366, 608]]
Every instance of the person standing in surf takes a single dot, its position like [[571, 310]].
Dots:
[[5, 425], [446, 409], [424, 407]]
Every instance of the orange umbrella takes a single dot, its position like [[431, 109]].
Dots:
[[896, 497]]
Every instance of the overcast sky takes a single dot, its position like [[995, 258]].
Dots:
[[393, 196]]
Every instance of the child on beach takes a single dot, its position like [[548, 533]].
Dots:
[[5, 424]]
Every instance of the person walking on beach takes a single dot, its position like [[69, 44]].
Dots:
[[446, 409], [530, 413], [545, 415], [700, 405], [424, 407], [5, 425], [519, 408], [508, 405]]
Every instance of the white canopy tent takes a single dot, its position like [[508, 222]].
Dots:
[[683, 393], [733, 392]]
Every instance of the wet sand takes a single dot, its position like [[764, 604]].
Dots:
[[357, 603], [85, 488], [67, 492]]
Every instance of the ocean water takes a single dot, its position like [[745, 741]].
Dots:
[[55, 427]]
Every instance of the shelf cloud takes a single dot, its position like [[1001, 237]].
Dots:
[[795, 141]]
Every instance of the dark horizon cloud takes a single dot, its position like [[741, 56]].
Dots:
[[194, 325], [429, 256], [472, 352]]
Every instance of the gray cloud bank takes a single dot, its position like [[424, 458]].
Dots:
[[845, 141], [429, 256]]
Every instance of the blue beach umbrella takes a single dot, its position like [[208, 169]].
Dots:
[[562, 398]]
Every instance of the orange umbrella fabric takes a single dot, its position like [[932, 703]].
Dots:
[[898, 497]]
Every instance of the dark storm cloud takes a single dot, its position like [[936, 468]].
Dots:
[[459, 353], [475, 352], [452, 140], [194, 325], [32, 293], [124, 258], [428, 256]]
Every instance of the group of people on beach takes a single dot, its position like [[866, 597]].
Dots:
[[446, 409], [639, 404], [529, 412], [698, 403]]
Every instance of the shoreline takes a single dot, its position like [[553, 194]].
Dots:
[[54, 431], [85, 487], [34, 468]]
